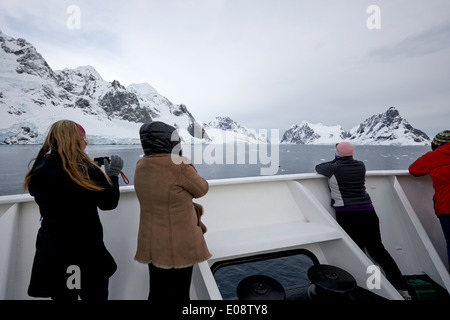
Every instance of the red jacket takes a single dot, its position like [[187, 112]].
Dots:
[[437, 164]]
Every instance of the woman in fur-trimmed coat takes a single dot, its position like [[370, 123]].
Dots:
[[170, 238]]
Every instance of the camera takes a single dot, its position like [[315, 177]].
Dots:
[[101, 160]]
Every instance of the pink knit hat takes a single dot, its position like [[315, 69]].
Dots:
[[344, 149], [81, 131]]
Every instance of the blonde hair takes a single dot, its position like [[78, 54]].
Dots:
[[64, 138]]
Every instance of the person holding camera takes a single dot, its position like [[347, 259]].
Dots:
[[71, 259], [170, 238]]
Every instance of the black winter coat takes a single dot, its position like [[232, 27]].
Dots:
[[71, 232], [347, 178]]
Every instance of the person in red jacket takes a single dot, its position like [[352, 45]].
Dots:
[[436, 163]]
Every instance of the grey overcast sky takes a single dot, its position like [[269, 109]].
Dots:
[[264, 63]]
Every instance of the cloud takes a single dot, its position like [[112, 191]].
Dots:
[[264, 63], [432, 40]]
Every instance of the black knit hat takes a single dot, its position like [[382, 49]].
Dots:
[[440, 139]]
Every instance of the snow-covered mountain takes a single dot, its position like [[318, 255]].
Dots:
[[225, 130], [387, 128], [33, 96], [309, 133]]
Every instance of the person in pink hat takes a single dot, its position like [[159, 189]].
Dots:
[[355, 212]]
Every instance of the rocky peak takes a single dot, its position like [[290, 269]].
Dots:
[[308, 133], [388, 128], [224, 123], [229, 125], [392, 113], [300, 134], [30, 61], [82, 81], [116, 85], [390, 118]]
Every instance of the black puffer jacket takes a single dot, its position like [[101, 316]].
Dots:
[[71, 232], [346, 180], [158, 137]]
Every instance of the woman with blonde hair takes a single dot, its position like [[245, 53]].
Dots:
[[68, 188]]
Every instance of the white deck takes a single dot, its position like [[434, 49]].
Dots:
[[247, 216]]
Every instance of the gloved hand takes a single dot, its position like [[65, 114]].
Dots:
[[114, 167]]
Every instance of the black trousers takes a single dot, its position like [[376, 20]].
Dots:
[[364, 228], [91, 291], [169, 284], [445, 224]]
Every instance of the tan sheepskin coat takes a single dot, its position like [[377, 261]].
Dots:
[[170, 235]]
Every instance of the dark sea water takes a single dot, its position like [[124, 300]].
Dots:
[[220, 162], [289, 271]]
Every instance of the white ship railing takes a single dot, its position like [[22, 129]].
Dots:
[[251, 215]]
